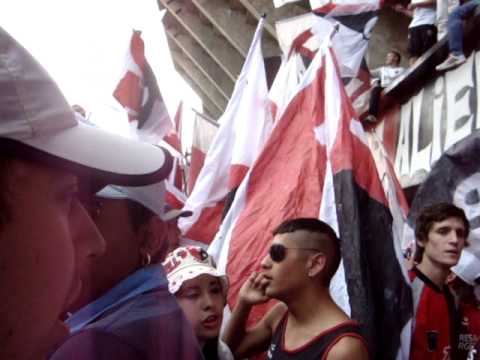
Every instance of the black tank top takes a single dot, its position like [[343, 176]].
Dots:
[[316, 348]]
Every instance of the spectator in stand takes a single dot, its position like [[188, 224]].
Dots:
[[444, 8], [306, 323], [382, 78], [456, 56], [441, 234], [463, 280], [125, 308], [202, 294], [422, 32], [46, 170]]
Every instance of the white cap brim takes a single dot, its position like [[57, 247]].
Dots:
[[175, 214], [122, 160], [150, 196], [34, 112]]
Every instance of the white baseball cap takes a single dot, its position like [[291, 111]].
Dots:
[[151, 196], [188, 262], [37, 122], [468, 267]]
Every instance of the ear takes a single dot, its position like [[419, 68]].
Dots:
[[420, 243], [153, 238], [316, 264]]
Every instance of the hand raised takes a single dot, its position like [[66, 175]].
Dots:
[[253, 290]]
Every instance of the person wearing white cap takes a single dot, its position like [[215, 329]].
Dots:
[[201, 292], [463, 281], [46, 156], [126, 296]]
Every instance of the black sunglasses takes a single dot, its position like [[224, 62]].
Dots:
[[278, 252]]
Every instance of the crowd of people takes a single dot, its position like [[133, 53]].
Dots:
[[91, 267], [429, 23]]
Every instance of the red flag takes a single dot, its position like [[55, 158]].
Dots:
[[138, 92], [244, 127], [316, 163], [174, 197], [173, 138], [203, 134]]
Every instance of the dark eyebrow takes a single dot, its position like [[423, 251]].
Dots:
[[191, 287]]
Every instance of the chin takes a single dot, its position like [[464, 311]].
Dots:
[[271, 293]]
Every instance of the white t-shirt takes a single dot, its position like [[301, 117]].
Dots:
[[387, 74], [423, 16]]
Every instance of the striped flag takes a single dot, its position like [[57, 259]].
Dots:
[[244, 127], [286, 81], [317, 163], [173, 138], [203, 134], [138, 92], [303, 35]]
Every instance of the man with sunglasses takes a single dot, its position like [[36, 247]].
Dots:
[[306, 323]]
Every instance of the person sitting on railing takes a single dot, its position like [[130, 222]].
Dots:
[[455, 35], [382, 78]]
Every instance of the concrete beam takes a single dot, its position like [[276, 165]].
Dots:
[[198, 56], [208, 107], [235, 25], [259, 7], [213, 94], [224, 54]]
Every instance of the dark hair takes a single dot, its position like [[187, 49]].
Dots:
[[397, 53], [5, 209], [327, 241], [433, 214], [139, 214]]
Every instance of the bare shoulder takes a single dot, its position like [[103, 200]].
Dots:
[[275, 314], [348, 347]]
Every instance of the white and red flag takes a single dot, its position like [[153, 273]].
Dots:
[[173, 137], [203, 134], [317, 163], [286, 81], [303, 35], [279, 3], [345, 7], [138, 92], [244, 127]]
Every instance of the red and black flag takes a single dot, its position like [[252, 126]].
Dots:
[[138, 92], [317, 163]]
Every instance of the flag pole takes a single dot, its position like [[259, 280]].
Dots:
[[334, 31]]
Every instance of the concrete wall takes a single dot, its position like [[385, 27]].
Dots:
[[390, 32]]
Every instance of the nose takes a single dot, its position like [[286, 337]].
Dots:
[[90, 240], [207, 301], [266, 262]]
